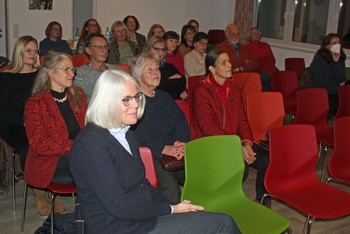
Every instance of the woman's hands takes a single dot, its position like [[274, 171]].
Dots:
[[248, 153], [176, 150], [186, 206]]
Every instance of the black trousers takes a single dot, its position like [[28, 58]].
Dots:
[[62, 173]]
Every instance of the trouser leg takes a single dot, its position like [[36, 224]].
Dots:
[[62, 173]]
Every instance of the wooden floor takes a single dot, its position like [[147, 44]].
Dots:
[[10, 221]]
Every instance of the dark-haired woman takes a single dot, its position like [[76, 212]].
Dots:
[[171, 44], [187, 34], [328, 69], [133, 25], [90, 26]]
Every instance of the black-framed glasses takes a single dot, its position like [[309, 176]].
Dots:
[[100, 47], [158, 49], [67, 69], [128, 100]]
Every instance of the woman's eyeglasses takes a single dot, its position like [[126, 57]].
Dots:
[[128, 100], [30, 51], [68, 69]]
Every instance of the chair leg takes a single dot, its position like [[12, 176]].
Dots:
[[328, 180], [262, 199], [324, 160], [52, 211], [13, 180], [24, 206], [308, 224]]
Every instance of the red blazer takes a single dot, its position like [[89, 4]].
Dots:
[[209, 113], [246, 58], [47, 136]]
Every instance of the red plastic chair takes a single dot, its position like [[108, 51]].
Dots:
[[265, 111], [184, 107], [248, 83], [344, 101], [124, 67], [216, 36], [192, 82], [147, 159], [312, 108], [79, 59], [295, 64], [291, 175], [42, 58], [340, 161], [286, 82]]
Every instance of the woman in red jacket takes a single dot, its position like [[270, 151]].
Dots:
[[218, 110], [53, 117]]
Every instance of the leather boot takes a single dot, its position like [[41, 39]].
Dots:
[[42, 204], [59, 207]]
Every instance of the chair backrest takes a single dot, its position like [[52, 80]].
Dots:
[[286, 82], [265, 111], [344, 101], [295, 64], [42, 58], [184, 107], [214, 168], [248, 83], [147, 159], [293, 156], [192, 82], [216, 36], [341, 154], [79, 59], [124, 67], [312, 106]]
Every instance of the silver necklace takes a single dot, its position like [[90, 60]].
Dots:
[[60, 100]]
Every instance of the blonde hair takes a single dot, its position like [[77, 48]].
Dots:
[[115, 25], [154, 26], [42, 82], [17, 55], [152, 42], [104, 107]]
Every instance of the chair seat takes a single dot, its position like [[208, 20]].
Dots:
[[62, 188]]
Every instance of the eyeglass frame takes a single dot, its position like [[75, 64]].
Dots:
[[67, 69], [159, 49], [100, 47], [129, 99], [30, 51]]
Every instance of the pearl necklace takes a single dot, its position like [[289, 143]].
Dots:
[[60, 100]]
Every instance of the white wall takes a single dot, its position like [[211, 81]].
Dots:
[[171, 14], [34, 22]]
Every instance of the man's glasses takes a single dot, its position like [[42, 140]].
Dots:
[[128, 100], [100, 47], [202, 43], [30, 51], [158, 49], [68, 69]]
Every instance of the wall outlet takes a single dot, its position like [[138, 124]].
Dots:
[[15, 30]]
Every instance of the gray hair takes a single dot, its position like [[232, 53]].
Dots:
[[136, 63], [105, 104]]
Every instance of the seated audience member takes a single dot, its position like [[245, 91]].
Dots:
[[194, 23], [262, 51], [187, 33], [163, 127], [97, 51], [328, 69], [171, 44], [155, 30], [113, 193], [171, 81], [53, 116], [90, 26], [121, 49], [195, 60], [53, 41], [241, 57], [15, 88], [133, 25], [218, 110]]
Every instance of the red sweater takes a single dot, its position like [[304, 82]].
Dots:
[[263, 53], [210, 115], [47, 136]]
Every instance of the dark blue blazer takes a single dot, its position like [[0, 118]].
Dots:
[[113, 193]]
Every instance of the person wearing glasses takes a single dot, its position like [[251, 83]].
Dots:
[[163, 127], [15, 88], [172, 81], [53, 116], [87, 74], [112, 190], [53, 41], [121, 49], [187, 33], [195, 60], [90, 26]]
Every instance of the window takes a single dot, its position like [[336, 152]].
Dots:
[[303, 21]]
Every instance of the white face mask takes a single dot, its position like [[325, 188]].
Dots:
[[335, 49]]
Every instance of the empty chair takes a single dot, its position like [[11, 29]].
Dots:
[[291, 175], [312, 108], [216, 183], [340, 161], [264, 111], [295, 64], [286, 82], [216, 36], [248, 83], [79, 60], [344, 101]]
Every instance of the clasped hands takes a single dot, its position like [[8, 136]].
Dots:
[[176, 150], [248, 154]]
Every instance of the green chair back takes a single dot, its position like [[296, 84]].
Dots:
[[347, 73], [214, 170]]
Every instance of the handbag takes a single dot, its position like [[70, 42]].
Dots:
[[170, 163]]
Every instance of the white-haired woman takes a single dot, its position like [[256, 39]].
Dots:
[[113, 193]]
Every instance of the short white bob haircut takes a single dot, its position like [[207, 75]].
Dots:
[[104, 108]]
